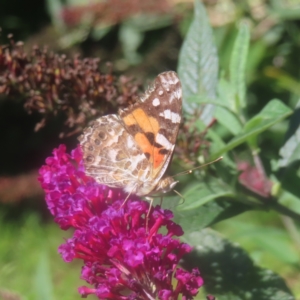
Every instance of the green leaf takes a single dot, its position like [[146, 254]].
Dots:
[[54, 9], [198, 63], [229, 273], [238, 62], [223, 113], [132, 30], [146, 22], [285, 11], [199, 193], [257, 52], [251, 232], [216, 144], [226, 94], [289, 180], [131, 38], [206, 215], [42, 283], [277, 244], [274, 112], [228, 120], [290, 151], [100, 30], [76, 36], [290, 198], [283, 80]]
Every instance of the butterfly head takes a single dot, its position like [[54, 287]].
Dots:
[[165, 185]]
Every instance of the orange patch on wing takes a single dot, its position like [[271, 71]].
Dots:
[[154, 125], [155, 157], [158, 158], [144, 143], [129, 120], [146, 123]]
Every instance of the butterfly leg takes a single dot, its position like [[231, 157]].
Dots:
[[148, 213], [124, 202], [181, 196]]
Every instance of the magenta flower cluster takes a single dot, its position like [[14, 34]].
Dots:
[[122, 260]]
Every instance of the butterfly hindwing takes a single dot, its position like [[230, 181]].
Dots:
[[111, 155]]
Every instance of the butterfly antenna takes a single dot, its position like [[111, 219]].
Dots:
[[191, 170]]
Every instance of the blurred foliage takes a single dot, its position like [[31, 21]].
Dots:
[[30, 264], [245, 77]]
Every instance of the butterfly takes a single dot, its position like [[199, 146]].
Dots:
[[132, 150]]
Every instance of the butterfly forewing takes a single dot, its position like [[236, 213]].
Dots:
[[154, 122]]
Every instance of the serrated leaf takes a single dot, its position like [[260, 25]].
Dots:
[[229, 273], [198, 63], [238, 62], [274, 112]]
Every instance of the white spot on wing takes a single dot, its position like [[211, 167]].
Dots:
[[167, 114], [130, 143], [175, 95], [155, 102], [160, 93], [162, 140], [169, 78], [178, 93], [174, 117]]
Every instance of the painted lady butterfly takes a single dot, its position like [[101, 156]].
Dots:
[[133, 149]]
